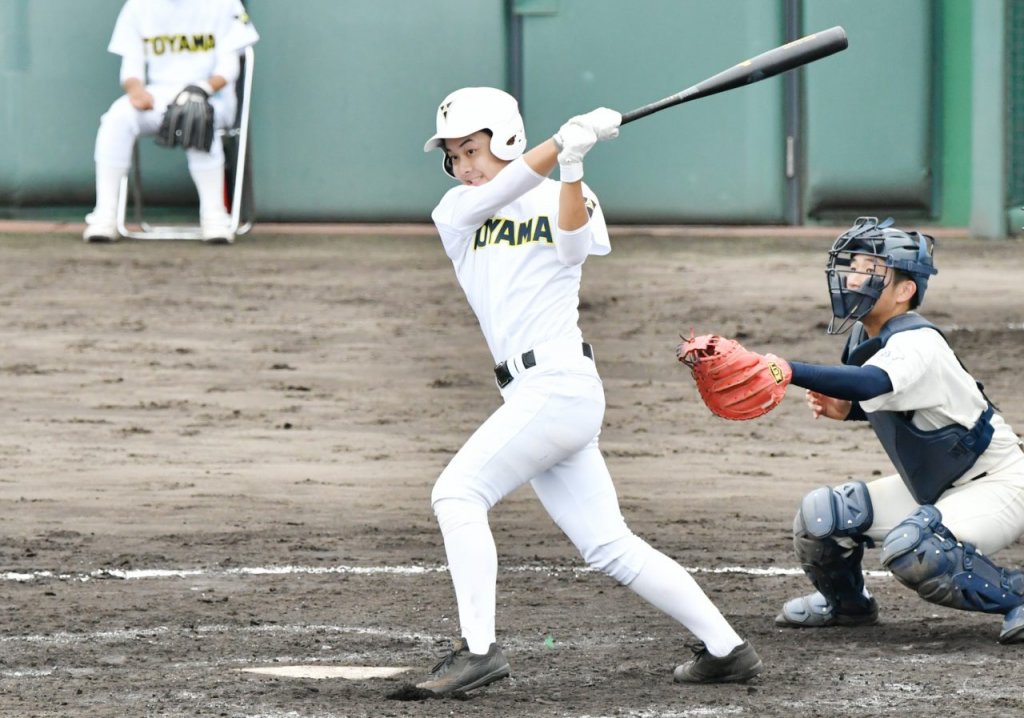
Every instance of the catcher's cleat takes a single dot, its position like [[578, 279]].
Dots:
[[741, 664], [1013, 626], [813, 611], [461, 671]]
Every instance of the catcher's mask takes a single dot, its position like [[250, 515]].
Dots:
[[472, 109], [906, 252]]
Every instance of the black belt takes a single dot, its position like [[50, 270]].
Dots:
[[504, 376]]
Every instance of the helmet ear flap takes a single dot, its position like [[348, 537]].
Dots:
[[446, 165], [509, 141]]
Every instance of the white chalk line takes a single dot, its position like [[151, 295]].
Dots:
[[164, 573], [134, 634], [127, 635]]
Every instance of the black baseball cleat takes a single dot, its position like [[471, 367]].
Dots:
[[741, 664], [461, 671]]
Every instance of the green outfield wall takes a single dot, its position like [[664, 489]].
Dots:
[[346, 91]]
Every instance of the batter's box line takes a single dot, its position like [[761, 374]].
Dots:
[[171, 573]]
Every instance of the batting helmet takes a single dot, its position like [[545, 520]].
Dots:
[[472, 109], [908, 252]]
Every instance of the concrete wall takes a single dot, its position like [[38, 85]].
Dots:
[[346, 91]]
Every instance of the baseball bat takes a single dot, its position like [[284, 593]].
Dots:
[[786, 57]]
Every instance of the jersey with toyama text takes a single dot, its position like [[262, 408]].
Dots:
[[181, 41], [928, 379], [501, 239]]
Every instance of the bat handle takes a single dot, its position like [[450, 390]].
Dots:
[[661, 104], [636, 114], [628, 117]]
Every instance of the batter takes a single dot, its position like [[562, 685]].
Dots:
[[176, 43], [518, 241]]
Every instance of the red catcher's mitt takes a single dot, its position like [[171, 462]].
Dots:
[[734, 382]]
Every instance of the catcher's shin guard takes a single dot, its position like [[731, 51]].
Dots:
[[925, 556], [834, 569]]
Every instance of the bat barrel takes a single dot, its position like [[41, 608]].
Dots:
[[780, 59]]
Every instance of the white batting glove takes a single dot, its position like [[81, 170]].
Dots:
[[573, 141], [604, 122]]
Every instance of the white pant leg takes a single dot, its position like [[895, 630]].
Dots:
[[580, 497], [122, 124], [207, 168], [473, 565], [119, 126], [987, 512], [547, 417], [224, 104], [891, 502]]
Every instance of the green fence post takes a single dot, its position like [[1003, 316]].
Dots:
[[988, 121]]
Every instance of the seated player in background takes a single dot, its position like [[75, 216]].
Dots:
[[184, 52]]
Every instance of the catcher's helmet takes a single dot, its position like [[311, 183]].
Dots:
[[907, 252], [472, 109]]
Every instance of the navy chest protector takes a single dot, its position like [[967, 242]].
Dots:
[[928, 461]]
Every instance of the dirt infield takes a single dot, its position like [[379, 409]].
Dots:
[[220, 458]]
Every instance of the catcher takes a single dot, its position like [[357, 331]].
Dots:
[[179, 60], [958, 495]]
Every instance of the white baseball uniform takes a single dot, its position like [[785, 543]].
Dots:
[[170, 44], [986, 506], [521, 275]]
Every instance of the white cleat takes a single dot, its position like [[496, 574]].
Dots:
[[99, 231], [217, 229]]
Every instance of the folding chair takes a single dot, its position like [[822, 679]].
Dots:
[[238, 194]]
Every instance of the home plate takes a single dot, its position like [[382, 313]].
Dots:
[[352, 673]]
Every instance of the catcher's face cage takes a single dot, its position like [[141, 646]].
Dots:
[[473, 109], [907, 252]]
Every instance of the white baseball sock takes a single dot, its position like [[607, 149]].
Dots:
[[667, 586], [108, 188], [209, 183], [473, 564]]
